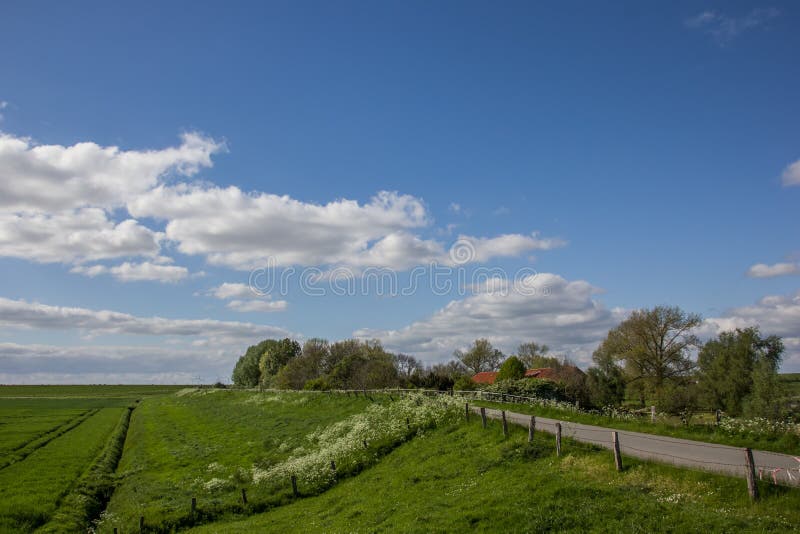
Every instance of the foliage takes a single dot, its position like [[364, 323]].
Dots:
[[511, 369], [529, 387], [275, 355], [739, 369], [481, 356], [464, 383], [534, 356], [654, 347], [467, 479], [605, 382]]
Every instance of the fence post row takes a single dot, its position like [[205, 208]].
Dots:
[[483, 416], [617, 456], [505, 423], [466, 411]]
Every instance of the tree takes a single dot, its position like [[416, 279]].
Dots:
[[406, 366], [654, 347], [535, 356], [738, 368], [480, 357], [246, 372], [276, 354], [511, 369], [605, 382]]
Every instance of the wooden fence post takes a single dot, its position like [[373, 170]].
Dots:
[[141, 524], [717, 416], [194, 505], [505, 423], [408, 424], [531, 428], [652, 414], [466, 411], [294, 486], [617, 456], [244, 496], [333, 468], [483, 416], [752, 487], [558, 439]]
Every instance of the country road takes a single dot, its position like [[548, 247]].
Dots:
[[680, 452]]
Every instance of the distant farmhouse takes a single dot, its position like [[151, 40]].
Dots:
[[561, 374]]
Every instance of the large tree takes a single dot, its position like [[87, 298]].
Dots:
[[654, 347], [481, 356], [605, 382], [276, 354], [738, 370], [533, 355]]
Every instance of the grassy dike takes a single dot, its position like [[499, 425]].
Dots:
[[463, 478]]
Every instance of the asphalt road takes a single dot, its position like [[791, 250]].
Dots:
[[680, 452]]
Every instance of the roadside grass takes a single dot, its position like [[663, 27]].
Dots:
[[463, 478], [785, 443], [204, 444], [31, 489]]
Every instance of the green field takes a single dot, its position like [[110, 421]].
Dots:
[[73, 460]]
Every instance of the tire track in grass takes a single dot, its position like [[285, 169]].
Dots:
[[54, 428], [33, 445], [85, 502]]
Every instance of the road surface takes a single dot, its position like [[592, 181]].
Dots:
[[780, 468]]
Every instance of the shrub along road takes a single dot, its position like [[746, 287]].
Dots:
[[781, 468]]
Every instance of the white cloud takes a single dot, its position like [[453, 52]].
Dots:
[[33, 315], [73, 236], [3, 105], [114, 364], [762, 270], [724, 28], [545, 307], [229, 290], [455, 207], [775, 315], [791, 175], [52, 178], [257, 305], [135, 272]]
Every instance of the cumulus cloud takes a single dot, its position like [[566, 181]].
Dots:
[[229, 290], [543, 307], [791, 174], [762, 270], [724, 28], [136, 272], [33, 315], [246, 299], [52, 178], [75, 236]]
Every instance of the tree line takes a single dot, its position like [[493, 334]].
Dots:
[[652, 357]]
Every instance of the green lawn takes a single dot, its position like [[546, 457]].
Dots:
[[203, 444], [462, 478]]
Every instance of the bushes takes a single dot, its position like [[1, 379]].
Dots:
[[529, 387], [512, 369]]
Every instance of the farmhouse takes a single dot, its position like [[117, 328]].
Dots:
[[554, 374]]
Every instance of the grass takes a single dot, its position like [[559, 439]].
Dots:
[[463, 478], [786, 443], [204, 444], [31, 489], [126, 392]]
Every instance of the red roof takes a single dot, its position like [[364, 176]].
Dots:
[[486, 377]]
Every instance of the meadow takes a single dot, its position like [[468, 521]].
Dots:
[[406, 463], [50, 438]]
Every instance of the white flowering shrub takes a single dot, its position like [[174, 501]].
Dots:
[[757, 426], [343, 442]]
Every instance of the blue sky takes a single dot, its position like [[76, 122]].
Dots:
[[632, 155]]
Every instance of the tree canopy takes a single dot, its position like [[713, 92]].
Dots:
[[481, 356]]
